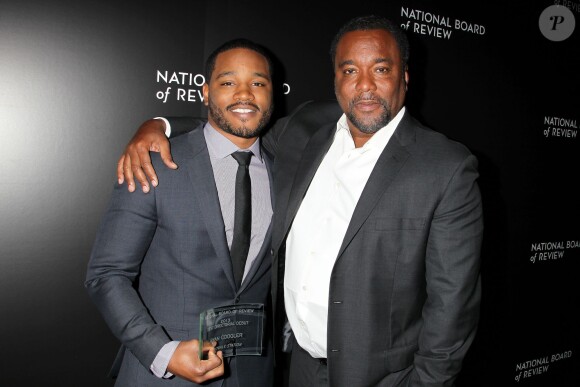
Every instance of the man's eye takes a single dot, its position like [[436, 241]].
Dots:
[[349, 71], [259, 84], [227, 83], [383, 70]]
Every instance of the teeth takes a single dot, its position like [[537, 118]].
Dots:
[[242, 110]]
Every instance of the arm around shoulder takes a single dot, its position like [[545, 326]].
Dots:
[[135, 162]]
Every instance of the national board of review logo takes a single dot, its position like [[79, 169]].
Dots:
[[557, 23]]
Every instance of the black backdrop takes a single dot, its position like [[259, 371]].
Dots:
[[78, 77]]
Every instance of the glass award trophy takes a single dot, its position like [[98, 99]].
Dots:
[[238, 329]]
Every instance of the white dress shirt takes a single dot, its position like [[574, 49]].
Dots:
[[319, 228]]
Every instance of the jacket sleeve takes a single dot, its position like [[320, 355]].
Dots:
[[122, 240], [451, 312], [182, 125], [311, 114]]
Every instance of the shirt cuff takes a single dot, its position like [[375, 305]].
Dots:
[[167, 125], [159, 365]]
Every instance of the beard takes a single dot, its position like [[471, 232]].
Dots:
[[369, 126], [242, 131]]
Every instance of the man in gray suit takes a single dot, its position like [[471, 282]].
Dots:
[[162, 258], [377, 225]]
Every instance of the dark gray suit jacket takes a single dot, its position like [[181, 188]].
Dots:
[[405, 289], [162, 258]]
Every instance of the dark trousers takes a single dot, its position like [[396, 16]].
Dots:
[[306, 371]]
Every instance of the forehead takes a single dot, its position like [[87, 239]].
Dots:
[[369, 44], [240, 61]]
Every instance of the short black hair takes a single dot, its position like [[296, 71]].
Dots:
[[233, 44], [373, 22]]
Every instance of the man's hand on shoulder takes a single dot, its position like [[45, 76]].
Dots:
[[135, 162], [186, 363]]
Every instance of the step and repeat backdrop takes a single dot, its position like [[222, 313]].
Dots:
[[77, 78]]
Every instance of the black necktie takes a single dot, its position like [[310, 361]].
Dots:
[[242, 215]]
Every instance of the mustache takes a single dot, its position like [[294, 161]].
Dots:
[[242, 104], [368, 97]]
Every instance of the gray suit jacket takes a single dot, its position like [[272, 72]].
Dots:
[[405, 289], [161, 258]]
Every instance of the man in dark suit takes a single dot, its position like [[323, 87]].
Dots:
[[162, 258], [377, 225]]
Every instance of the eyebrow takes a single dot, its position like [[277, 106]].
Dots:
[[377, 60], [227, 73]]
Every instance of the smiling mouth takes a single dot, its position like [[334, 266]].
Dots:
[[243, 108]]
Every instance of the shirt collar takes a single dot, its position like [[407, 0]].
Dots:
[[220, 146], [381, 137]]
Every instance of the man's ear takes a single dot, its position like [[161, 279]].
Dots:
[[205, 91]]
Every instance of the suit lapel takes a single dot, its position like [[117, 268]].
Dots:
[[200, 171], [385, 171], [312, 156]]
